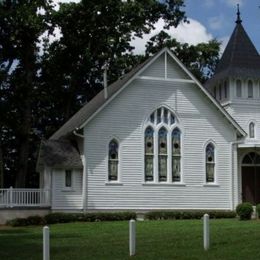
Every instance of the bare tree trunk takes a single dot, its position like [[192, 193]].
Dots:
[[24, 133], [20, 181]]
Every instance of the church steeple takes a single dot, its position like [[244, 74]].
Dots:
[[240, 58], [238, 21]]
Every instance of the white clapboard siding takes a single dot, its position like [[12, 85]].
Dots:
[[156, 69], [123, 119], [244, 112], [64, 198]]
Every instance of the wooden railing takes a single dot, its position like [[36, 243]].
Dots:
[[24, 198]]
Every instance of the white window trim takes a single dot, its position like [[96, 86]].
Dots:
[[156, 129], [215, 183], [248, 128], [118, 181]]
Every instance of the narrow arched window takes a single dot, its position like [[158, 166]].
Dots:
[[226, 89], [162, 154], [176, 155], [210, 163], [149, 153], [220, 92], [113, 161], [250, 89], [239, 88], [252, 130]]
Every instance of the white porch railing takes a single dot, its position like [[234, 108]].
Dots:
[[24, 198]]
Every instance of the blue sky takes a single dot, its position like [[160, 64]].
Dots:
[[218, 17]]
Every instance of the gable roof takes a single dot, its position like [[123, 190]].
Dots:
[[85, 114], [58, 154], [239, 58]]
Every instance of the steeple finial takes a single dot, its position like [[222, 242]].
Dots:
[[238, 21]]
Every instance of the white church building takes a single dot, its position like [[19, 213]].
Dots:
[[157, 139]]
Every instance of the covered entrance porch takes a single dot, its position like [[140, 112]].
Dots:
[[250, 175]]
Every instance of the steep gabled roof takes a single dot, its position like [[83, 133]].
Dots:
[[99, 102], [239, 58]]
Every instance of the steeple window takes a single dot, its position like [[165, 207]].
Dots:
[[239, 88], [250, 89], [225, 90]]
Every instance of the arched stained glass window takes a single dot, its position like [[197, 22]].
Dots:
[[239, 88], [113, 161], [210, 163], [252, 130], [149, 153], [176, 154], [250, 89], [162, 154]]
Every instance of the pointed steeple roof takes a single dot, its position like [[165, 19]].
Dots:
[[240, 58]]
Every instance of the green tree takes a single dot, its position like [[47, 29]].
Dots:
[[21, 24], [95, 33], [39, 91]]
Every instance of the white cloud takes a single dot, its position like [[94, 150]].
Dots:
[[192, 33]]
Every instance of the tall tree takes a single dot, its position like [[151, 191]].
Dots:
[[21, 24]]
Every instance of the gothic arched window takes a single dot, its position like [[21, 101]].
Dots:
[[162, 152], [210, 163], [149, 153], [176, 154], [113, 160]]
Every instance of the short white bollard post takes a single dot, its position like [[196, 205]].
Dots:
[[132, 237], [46, 243], [206, 231]]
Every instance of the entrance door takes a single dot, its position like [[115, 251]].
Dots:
[[251, 178]]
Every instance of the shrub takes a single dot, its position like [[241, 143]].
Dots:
[[36, 220], [244, 210], [17, 222], [258, 210], [88, 217], [159, 215]]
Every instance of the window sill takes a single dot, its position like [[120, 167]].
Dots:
[[67, 190], [114, 183], [164, 184], [211, 185]]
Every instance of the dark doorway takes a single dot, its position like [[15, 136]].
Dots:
[[251, 178]]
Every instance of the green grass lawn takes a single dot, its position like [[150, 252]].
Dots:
[[182, 239]]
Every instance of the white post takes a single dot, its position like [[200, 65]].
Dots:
[[46, 243], [11, 196], [132, 237], [206, 231]]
